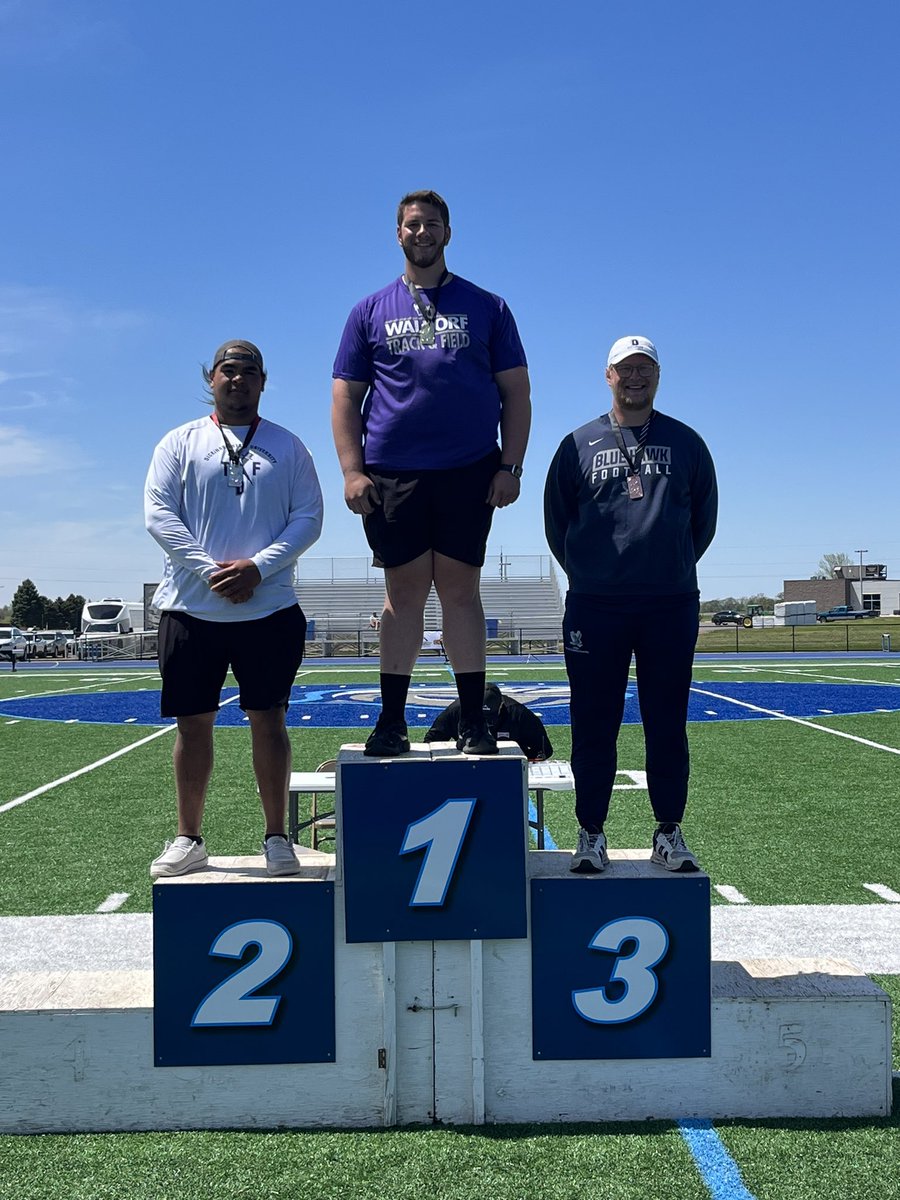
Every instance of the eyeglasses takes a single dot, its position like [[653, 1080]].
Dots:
[[625, 371]]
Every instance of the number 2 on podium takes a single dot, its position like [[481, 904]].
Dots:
[[442, 832], [232, 1001]]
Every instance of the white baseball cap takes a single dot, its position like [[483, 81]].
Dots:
[[631, 345]]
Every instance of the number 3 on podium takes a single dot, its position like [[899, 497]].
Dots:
[[634, 970]]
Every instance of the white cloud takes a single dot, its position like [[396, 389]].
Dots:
[[33, 317], [25, 454], [101, 556]]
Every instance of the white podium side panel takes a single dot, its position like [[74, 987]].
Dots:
[[782, 1047], [414, 1015], [454, 1064], [789, 1038], [77, 1054]]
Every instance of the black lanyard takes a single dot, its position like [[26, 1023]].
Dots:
[[236, 455], [634, 463]]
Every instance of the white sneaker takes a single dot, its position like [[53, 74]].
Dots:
[[670, 850], [590, 855], [179, 857], [280, 856]]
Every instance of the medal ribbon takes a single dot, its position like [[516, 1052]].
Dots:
[[426, 310]]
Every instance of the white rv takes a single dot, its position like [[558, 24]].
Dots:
[[103, 624], [112, 615]]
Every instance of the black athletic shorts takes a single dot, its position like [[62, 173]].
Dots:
[[445, 511], [194, 657]]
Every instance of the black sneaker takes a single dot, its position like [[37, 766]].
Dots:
[[475, 738], [387, 740]]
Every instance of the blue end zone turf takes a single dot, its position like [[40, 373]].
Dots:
[[324, 707]]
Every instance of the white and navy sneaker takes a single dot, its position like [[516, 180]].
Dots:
[[670, 850], [590, 855], [179, 857], [280, 856]]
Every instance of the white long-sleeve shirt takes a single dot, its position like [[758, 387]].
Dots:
[[200, 520]]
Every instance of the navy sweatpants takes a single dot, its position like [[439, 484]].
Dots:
[[601, 633]]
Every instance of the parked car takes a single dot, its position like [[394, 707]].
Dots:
[[44, 641], [727, 616], [843, 612], [51, 643], [13, 642]]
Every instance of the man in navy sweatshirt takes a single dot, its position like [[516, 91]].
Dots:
[[630, 506]]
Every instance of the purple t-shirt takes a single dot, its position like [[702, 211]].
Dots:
[[429, 407]]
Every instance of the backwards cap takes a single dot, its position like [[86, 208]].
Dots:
[[239, 350]]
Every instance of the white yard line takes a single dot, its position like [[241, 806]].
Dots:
[[47, 787], [771, 712], [101, 762], [731, 894], [87, 687], [112, 902], [884, 892], [841, 678]]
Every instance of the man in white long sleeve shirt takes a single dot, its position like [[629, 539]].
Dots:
[[234, 501]]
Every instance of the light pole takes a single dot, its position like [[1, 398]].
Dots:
[[861, 553]]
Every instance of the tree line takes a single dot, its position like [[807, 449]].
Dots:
[[30, 610], [740, 603]]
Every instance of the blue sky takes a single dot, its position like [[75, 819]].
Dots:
[[722, 177]]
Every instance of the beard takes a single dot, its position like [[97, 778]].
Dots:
[[635, 401], [422, 256]]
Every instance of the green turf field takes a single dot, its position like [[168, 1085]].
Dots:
[[782, 812]]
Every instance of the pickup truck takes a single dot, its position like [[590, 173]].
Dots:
[[844, 613]]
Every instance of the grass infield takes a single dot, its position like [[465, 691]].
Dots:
[[786, 813]]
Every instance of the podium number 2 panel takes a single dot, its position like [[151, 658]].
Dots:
[[243, 973]]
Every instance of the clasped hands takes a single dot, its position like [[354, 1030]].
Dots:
[[236, 580]]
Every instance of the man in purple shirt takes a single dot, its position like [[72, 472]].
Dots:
[[427, 370]]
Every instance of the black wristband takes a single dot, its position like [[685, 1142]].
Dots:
[[514, 469]]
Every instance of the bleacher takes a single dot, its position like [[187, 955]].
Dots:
[[520, 594]]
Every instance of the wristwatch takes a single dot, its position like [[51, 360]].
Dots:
[[514, 469]]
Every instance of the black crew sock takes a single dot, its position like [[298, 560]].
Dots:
[[470, 686], [394, 690]]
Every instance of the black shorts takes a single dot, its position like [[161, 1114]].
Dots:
[[445, 511], [194, 657]]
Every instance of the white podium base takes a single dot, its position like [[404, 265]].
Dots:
[[442, 1031]]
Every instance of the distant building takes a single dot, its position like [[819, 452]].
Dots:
[[875, 592]]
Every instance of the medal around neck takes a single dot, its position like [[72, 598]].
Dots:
[[426, 333], [635, 487]]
